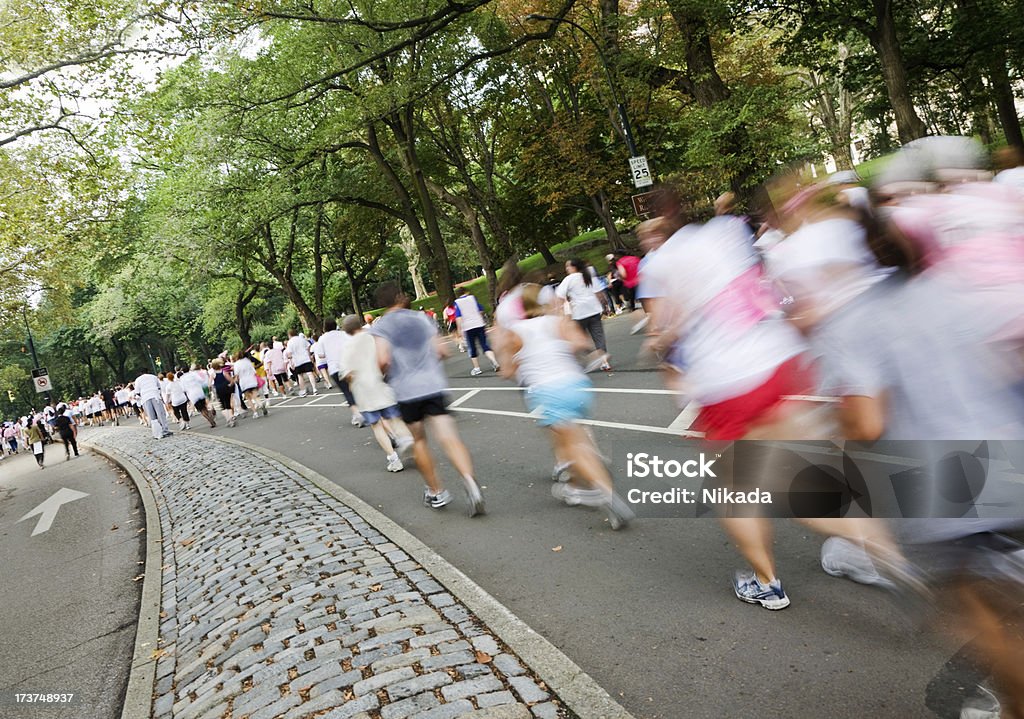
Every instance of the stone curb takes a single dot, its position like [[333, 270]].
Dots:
[[577, 690], [138, 698]]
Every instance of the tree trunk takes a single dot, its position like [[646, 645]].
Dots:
[[404, 130], [600, 203], [472, 220], [413, 256], [545, 252], [703, 80], [886, 43], [1003, 92], [283, 276], [440, 275], [318, 265]]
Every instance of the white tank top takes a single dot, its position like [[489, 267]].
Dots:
[[545, 357]]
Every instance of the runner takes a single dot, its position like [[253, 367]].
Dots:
[[67, 430], [627, 267], [333, 342], [35, 440], [247, 383], [579, 291], [148, 387], [377, 403], [178, 399], [472, 327], [297, 351], [316, 351], [543, 349], [196, 389], [223, 387], [410, 356], [277, 368]]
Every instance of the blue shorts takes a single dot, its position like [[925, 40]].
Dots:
[[560, 403], [373, 417]]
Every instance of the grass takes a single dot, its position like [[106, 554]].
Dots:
[[589, 246]]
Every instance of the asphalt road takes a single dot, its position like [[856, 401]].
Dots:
[[68, 602], [649, 611]]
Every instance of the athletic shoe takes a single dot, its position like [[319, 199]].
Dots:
[[231, 422], [186, 427], [594, 364], [474, 497], [303, 393], [605, 367], [619, 513], [315, 393], [843, 558], [357, 421], [749, 589], [476, 372], [394, 463], [436, 501], [67, 457], [562, 472], [404, 447], [639, 326], [497, 368], [574, 496], [265, 410]]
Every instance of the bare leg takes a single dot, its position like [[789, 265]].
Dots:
[[451, 443], [424, 460]]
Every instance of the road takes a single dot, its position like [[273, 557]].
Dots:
[[648, 612], [68, 602]]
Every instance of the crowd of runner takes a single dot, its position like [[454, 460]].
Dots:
[[902, 300]]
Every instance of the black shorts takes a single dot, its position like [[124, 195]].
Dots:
[[110, 406], [306, 368], [433, 406], [282, 378], [224, 396], [200, 405], [345, 389]]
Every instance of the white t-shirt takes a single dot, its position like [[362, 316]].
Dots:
[[729, 342], [194, 383], [545, 357], [360, 358], [245, 374], [121, 396], [333, 343], [318, 352], [176, 393], [468, 308], [147, 386], [582, 300], [298, 351]]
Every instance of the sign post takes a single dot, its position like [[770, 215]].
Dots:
[[41, 380], [643, 203], [640, 171]]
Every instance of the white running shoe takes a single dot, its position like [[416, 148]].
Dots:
[[394, 463], [474, 497], [476, 372], [303, 393], [436, 501]]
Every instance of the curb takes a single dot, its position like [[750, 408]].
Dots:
[[138, 698], [577, 690]]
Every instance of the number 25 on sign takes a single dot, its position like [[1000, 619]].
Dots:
[[640, 171]]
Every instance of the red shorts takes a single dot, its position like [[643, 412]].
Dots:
[[732, 418]]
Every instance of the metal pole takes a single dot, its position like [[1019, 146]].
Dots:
[[32, 348], [623, 118]]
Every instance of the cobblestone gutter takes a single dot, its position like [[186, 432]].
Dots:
[[278, 600]]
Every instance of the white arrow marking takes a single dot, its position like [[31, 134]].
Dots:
[[48, 509]]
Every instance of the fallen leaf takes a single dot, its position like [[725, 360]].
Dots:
[[114, 528], [557, 549], [139, 577], [483, 657], [157, 653], [187, 542], [376, 587]]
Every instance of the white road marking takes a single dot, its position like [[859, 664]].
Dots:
[[685, 419], [469, 395], [47, 511]]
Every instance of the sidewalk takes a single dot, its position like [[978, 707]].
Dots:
[[279, 600]]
